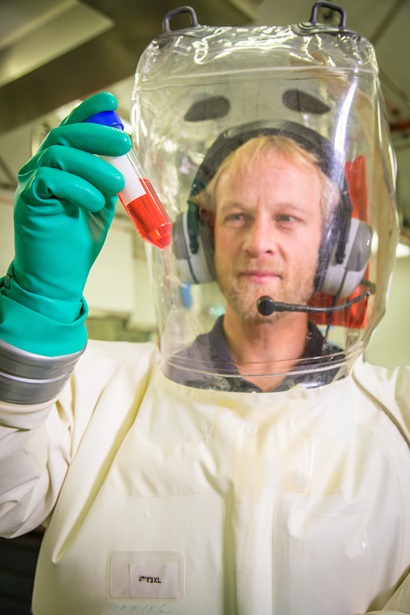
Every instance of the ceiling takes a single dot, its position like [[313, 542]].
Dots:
[[54, 52]]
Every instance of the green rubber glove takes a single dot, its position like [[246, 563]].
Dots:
[[64, 205]]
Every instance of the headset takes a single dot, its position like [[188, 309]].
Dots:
[[345, 247]]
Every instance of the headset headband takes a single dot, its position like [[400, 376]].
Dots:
[[232, 138]]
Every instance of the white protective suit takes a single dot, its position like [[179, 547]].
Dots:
[[165, 498], [168, 499]]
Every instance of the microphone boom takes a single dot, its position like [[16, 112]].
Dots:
[[267, 306]]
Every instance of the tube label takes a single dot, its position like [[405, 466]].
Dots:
[[134, 188]]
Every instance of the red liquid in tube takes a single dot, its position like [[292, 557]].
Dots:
[[147, 215], [142, 204]]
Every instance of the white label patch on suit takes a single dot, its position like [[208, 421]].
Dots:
[[145, 575], [154, 580]]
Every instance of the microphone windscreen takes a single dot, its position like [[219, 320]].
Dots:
[[265, 305]]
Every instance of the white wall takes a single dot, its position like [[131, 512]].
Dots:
[[390, 343], [6, 231]]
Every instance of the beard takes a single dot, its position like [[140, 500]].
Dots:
[[294, 287]]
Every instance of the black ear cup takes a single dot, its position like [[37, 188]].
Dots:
[[345, 246], [334, 237], [193, 248]]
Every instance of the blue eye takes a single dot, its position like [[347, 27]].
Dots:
[[235, 217], [288, 220]]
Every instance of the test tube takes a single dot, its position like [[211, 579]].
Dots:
[[138, 197]]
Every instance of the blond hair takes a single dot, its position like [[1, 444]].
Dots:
[[242, 157]]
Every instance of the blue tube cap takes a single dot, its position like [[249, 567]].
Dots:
[[107, 118]]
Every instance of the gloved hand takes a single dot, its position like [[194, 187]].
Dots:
[[64, 205]]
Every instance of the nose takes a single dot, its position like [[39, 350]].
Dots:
[[260, 237]]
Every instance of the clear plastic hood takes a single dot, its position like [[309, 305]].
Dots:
[[215, 109]]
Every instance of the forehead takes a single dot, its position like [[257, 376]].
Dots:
[[265, 145], [268, 172]]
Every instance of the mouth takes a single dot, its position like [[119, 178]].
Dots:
[[260, 276]]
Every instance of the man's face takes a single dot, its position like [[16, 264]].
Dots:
[[267, 233]]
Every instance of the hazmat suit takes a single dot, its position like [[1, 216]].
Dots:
[[175, 479]]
